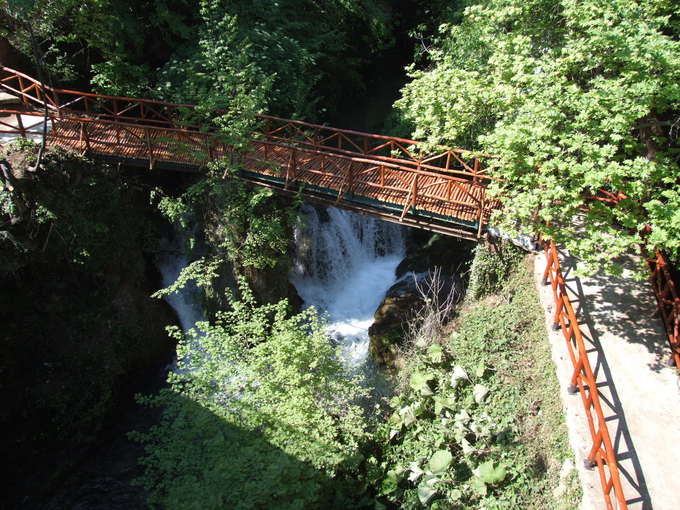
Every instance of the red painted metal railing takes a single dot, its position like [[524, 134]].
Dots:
[[450, 183], [318, 137], [602, 453], [668, 302]]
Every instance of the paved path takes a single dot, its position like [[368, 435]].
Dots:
[[640, 395]]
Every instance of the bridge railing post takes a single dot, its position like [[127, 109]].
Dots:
[[290, 169], [414, 194], [350, 178], [20, 124], [24, 100]]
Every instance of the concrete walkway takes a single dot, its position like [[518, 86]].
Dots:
[[639, 393]]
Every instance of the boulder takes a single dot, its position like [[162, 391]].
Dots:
[[400, 309], [403, 300], [450, 254]]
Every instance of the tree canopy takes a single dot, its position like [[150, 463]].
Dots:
[[571, 98]]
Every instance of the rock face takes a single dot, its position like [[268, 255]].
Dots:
[[403, 300]]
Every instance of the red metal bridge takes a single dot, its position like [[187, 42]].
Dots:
[[382, 176]]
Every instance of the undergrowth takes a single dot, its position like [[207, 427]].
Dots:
[[478, 421]]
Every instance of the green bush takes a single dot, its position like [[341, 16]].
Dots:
[[464, 431], [260, 410], [491, 267]]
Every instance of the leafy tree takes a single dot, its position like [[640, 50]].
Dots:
[[259, 410], [572, 98]]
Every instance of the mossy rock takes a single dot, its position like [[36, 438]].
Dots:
[[451, 254], [387, 332]]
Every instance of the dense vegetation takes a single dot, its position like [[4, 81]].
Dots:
[[78, 326], [461, 431], [262, 410], [572, 98]]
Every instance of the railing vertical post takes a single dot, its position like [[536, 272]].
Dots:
[[482, 205], [382, 176], [350, 178], [147, 135], [20, 124], [57, 101], [210, 150], [414, 194], [21, 89], [290, 170], [84, 136]]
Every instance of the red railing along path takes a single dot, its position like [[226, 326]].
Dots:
[[602, 453], [668, 302]]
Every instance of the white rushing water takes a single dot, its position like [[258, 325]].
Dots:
[[187, 301], [344, 265]]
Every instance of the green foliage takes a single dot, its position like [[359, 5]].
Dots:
[[462, 432], [249, 227], [259, 410], [492, 266], [77, 321], [572, 98]]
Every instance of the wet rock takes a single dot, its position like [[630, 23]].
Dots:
[[450, 254], [450, 257]]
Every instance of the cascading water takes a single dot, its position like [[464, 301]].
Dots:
[[186, 302], [344, 264]]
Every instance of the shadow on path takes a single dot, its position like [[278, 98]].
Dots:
[[604, 307]]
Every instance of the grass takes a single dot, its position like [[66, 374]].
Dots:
[[506, 332], [518, 431]]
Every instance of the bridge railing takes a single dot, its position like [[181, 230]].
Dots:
[[668, 302], [315, 136], [602, 453], [415, 187], [387, 148]]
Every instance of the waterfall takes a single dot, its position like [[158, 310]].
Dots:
[[344, 264], [186, 302]]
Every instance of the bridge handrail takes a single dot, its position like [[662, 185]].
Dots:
[[668, 302], [400, 145], [209, 137]]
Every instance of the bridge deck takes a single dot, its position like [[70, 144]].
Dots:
[[345, 178]]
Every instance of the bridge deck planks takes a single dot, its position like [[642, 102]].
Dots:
[[324, 171]]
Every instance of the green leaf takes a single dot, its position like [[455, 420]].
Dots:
[[459, 374], [435, 353], [480, 392], [419, 382], [489, 473], [425, 493], [440, 461]]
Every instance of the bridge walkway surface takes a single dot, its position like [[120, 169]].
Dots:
[[626, 426]]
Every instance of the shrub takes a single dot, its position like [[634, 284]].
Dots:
[[260, 409]]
